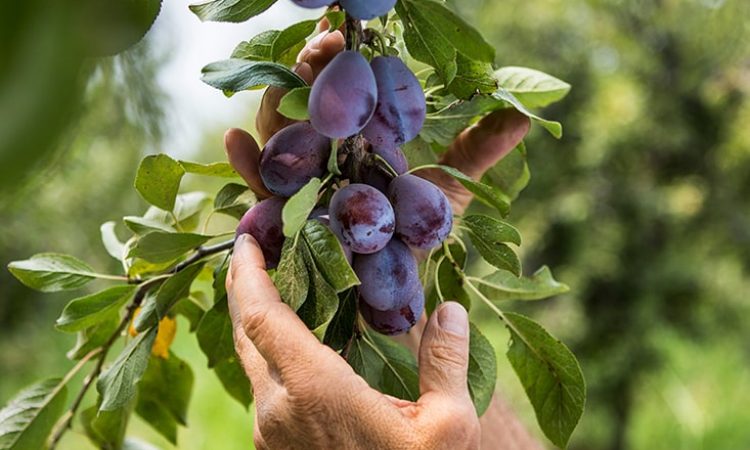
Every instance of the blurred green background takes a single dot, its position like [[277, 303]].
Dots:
[[643, 208]]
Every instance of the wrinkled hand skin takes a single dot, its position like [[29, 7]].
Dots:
[[306, 395]]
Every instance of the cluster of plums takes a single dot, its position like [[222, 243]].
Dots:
[[378, 218], [359, 9]]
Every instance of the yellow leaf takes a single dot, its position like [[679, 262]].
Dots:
[[164, 336]]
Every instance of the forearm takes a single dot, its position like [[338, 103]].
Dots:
[[501, 429]]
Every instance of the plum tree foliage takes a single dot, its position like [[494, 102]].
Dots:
[[339, 235]]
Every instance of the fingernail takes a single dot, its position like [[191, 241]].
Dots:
[[452, 317], [240, 240]]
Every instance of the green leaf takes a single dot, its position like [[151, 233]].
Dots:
[[472, 77], [235, 381], [158, 180], [386, 366], [188, 208], [443, 126], [294, 104], [322, 301], [554, 128], [230, 10], [170, 292], [550, 375], [162, 247], [27, 420], [107, 428], [511, 174], [341, 328], [258, 48], [434, 35], [217, 169], [94, 337], [117, 384], [482, 370], [228, 195], [290, 37], [329, 256], [52, 272], [486, 193], [234, 200], [487, 235], [531, 87], [164, 394], [450, 279], [426, 42], [497, 254], [492, 230], [143, 225], [191, 310], [292, 278], [112, 244], [419, 153], [86, 312], [214, 333], [298, 208], [234, 75], [503, 285], [335, 20]]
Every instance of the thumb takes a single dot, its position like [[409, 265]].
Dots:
[[444, 352]]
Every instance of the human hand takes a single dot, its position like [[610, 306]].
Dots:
[[307, 396], [474, 151]]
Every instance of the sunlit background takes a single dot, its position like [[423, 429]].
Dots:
[[643, 207]]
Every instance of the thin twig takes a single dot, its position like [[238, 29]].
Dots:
[[143, 288]]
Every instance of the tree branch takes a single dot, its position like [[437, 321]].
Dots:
[[143, 288]]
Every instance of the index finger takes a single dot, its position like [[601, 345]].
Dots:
[[311, 60], [277, 333]]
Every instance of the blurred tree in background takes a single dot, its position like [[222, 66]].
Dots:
[[643, 209], [85, 182]]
